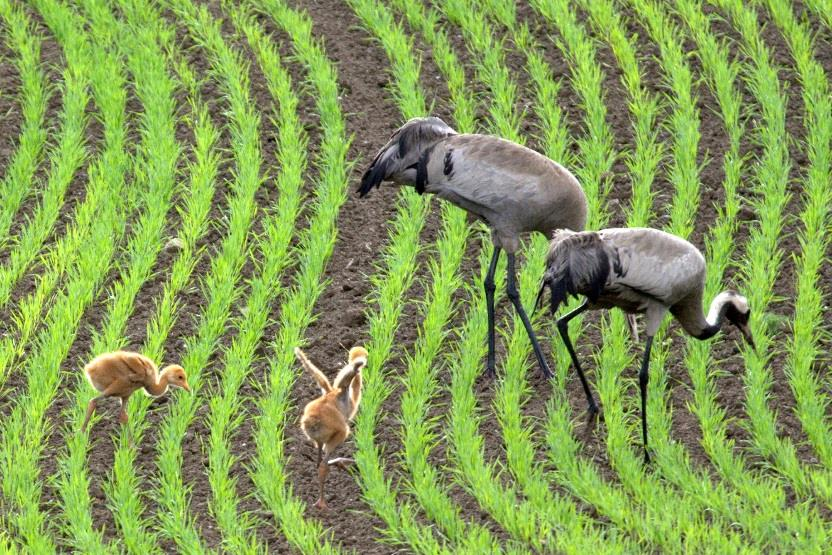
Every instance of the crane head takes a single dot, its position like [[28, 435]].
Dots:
[[397, 160], [739, 313]]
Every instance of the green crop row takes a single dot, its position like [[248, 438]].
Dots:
[[556, 512], [25, 431], [489, 63], [721, 77], [418, 430], [823, 9], [392, 280], [684, 527], [683, 124], [221, 286], [65, 159], [804, 349], [226, 406], [647, 152], [16, 185], [268, 470], [426, 21], [597, 152], [419, 381], [155, 166], [763, 255], [123, 486]]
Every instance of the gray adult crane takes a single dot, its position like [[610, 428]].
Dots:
[[639, 270], [512, 188]]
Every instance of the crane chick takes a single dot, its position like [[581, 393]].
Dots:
[[121, 373], [639, 270], [514, 189], [325, 420]]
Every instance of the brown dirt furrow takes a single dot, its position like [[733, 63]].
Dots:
[[11, 115], [371, 118]]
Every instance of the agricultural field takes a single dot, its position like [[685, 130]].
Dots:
[[178, 178]]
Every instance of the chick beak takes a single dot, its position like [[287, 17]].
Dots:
[[746, 333], [186, 387]]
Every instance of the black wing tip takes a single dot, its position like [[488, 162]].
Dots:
[[371, 178]]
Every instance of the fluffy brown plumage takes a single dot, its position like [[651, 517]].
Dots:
[[121, 373], [325, 420]]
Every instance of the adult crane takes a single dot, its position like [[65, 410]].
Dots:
[[514, 189], [639, 270]]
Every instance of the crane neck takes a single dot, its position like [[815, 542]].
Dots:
[[716, 315], [160, 387]]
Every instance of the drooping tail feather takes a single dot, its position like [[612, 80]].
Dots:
[[578, 264], [373, 177]]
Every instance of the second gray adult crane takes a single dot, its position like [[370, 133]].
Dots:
[[512, 188], [639, 270]]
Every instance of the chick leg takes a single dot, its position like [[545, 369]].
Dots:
[[90, 409], [323, 468], [631, 321], [123, 418], [122, 415], [94, 403]]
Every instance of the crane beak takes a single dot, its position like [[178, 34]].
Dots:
[[746, 333], [186, 387]]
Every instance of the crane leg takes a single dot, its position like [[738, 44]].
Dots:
[[563, 328], [642, 383], [490, 287], [514, 295]]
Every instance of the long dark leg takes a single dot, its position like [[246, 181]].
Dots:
[[514, 295], [642, 383], [490, 287], [563, 328]]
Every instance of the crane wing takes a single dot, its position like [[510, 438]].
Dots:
[[141, 369], [654, 263], [319, 376]]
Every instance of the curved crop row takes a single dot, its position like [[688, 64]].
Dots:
[[763, 255], [34, 94], [597, 153], [25, 431], [220, 286], [419, 381], [123, 486], [65, 158], [812, 405], [157, 158], [225, 407], [268, 469], [390, 283]]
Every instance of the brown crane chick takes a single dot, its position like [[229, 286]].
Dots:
[[325, 420], [121, 373]]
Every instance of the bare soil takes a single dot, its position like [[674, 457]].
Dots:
[[363, 231]]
